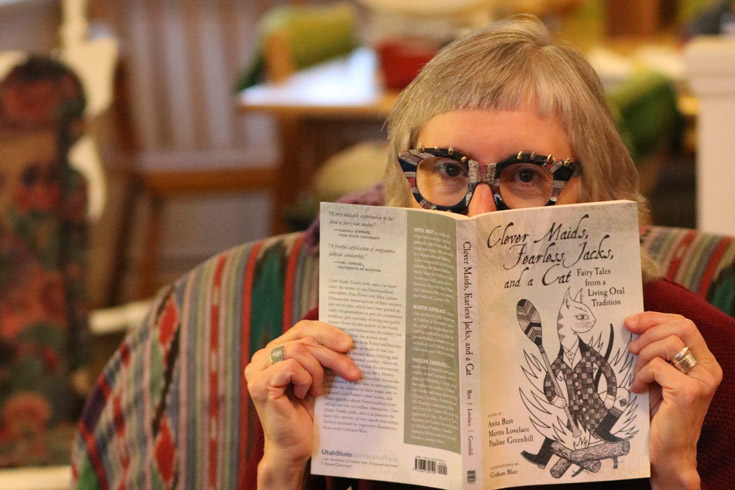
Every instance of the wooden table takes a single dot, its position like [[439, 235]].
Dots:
[[343, 92], [345, 87]]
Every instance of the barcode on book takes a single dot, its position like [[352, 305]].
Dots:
[[471, 476], [430, 465]]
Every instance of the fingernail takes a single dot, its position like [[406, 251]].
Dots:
[[356, 373], [632, 321], [347, 343]]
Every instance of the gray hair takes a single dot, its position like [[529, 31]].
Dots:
[[510, 65]]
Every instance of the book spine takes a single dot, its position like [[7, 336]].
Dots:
[[469, 355]]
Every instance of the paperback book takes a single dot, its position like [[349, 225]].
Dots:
[[493, 348]]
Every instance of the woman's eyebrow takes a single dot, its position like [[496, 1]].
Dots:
[[472, 156], [456, 149]]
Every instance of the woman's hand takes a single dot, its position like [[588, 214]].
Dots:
[[679, 401], [283, 393]]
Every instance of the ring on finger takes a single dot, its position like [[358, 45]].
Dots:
[[277, 354], [684, 360]]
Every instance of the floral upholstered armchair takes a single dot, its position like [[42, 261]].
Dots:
[[42, 264]]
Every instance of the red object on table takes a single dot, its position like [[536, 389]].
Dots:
[[402, 59]]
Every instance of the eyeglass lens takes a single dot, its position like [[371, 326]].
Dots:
[[445, 182]]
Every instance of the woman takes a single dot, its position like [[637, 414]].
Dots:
[[491, 95]]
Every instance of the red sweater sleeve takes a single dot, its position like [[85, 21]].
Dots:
[[715, 448]]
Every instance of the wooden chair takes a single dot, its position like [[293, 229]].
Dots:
[[165, 125], [160, 122]]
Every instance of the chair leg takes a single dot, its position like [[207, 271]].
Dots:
[[132, 191], [291, 168], [151, 248]]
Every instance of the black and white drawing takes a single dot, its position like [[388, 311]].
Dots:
[[578, 402]]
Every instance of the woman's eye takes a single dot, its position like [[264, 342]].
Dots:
[[525, 174], [450, 169], [442, 181]]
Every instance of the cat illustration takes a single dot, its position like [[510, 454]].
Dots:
[[574, 368], [574, 318]]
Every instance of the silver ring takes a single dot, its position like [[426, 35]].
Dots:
[[277, 354], [684, 360]]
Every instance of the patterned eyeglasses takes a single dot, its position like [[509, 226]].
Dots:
[[445, 179]]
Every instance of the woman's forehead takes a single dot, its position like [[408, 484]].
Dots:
[[493, 134]]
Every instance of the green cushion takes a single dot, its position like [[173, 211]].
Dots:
[[314, 33]]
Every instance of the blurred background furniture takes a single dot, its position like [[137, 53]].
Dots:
[[294, 37], [159, 186], [37, 478], [181, 148], [310, 107], [191, 162], [711, 74], [311, 104], [52, 188], [43, 221]]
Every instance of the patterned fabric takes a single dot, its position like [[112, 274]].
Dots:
[[165, 407], [701, 262], [42, 264], [171, 409]]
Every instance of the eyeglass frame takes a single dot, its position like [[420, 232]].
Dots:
[[561, 170]]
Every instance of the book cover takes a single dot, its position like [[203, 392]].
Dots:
[[493, 347]]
